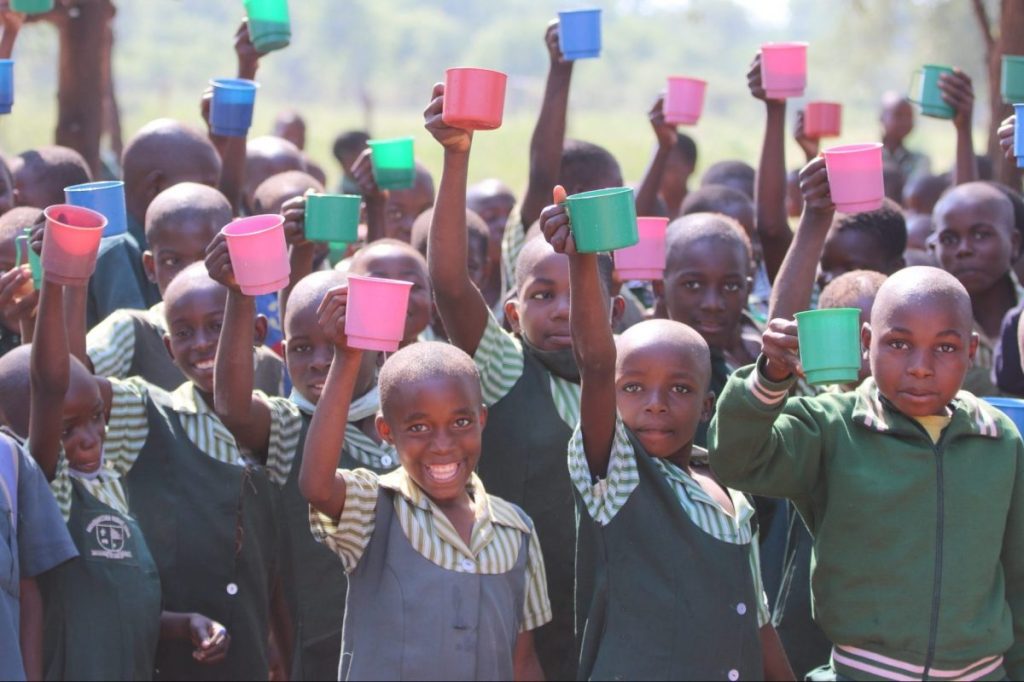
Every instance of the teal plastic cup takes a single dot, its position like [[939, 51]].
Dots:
[[270, 27], [924, 91], [32, 6], [394, 163], [603, 220], [34, 261], [333, 218], [829, 345], [1011, 81]]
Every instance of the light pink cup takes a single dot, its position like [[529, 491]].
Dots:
[[784, 69], [646, 259], [71, 242], [259, 253], [684, 100], [376, 313], [855, 176], [823, 119]]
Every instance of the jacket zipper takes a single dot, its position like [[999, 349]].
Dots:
[[940, 503]]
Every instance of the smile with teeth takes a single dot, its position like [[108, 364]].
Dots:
[[442, 473], [204, 365]]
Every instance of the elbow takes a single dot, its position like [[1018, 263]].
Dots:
[[315, 494]]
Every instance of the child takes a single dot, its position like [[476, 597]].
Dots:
[[180, 224], [872, 240], [907, 440], [393, 259], [897, 119], [265, 157], [18, 297], [390, 214], [530, 381], [647, 472], [445, 580], [494, 202], [735, 174], [347, 148], [40, 175]]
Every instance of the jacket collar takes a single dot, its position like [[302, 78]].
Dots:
[[874, 412]]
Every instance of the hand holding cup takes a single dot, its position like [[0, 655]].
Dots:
[[453, 140], [555, 225], [781, 347]]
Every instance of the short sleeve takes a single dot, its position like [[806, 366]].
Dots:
[[43, 538], [349, 534], [285, 431], [512, 241], [604, 499], [127, 427], [536, 604], [499, 359], [111, 345]]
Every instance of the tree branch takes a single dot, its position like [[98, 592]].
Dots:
[[981, 14]]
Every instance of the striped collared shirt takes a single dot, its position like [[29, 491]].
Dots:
[[111, 344], [493, 549], [499, 358], [607, 497]]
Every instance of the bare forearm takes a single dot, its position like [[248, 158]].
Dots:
[[966, 169], [375, 218], [50, 375], [647, 191], [233, 371], [772, 225], [75, 302], [300, 258], [232, 174], [546, 143], [794, 283]]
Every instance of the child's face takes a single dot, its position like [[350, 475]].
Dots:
[[920, 351], [662, 394], [194, 321], [706, 287], [309, 354], [175, 250], [393, 263], [541, 310], [848, 250], [403, 207], [437, 424], [974, 244], [897, 120], [85, 423]]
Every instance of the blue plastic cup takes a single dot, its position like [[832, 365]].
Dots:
[[1018, 136], [579, 34], [1011, 407], [106, 198], [232, 105], [6, 85]]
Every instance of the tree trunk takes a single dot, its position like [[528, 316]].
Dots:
[[1009, 41]]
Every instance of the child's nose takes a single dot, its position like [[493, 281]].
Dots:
[[561, 310], [712, 299], [920, 364]]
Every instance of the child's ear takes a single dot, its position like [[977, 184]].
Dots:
[[865, 337], [261, 327], [512, 315], [618, 310], [149, 265], [167, 345], [972, 346], [708, 407], [384, 431], [483, 416]]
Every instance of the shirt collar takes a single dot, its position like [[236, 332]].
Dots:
[[186, 400], [874, 412]]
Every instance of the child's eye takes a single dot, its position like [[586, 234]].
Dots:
[[216, 326], [679, 388], [899, 345], [65, 432], [631, 388], [732, 287], [183, 333], [690, 285], [947, 239], [540, 296], [418, 428], [946, 348], [463, 422]]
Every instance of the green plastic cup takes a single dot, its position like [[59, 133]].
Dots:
[[1011, 82], [32, 6], [829, 345], [333, 217], [603, 220], [270, 28], [394, 164], [34, 261], [924, 91]]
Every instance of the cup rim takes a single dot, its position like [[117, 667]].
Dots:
[[278, 222], [102, 219], [940, 67], [822, 103], [822, 312], [6, 61], [331, 195], [788, 45], [234, 83], [688, 79], [595, 193], [585, 10], [94, 186], [383, 280], [476, 69], [390, 140], [853, 148]]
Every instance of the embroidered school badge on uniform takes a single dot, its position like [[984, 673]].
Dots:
[[111, 535]]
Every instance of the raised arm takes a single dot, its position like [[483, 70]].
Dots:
[[12, 22], [795, 282], [647, 190], [771, 220], [374, 197], [958, 92], [50, 376], [301, 252], [592, 341], [319, 481], [462, 307]]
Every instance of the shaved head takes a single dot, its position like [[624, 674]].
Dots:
[[265, 157], [923, 285], [15, 220], [192, 279], [186, 202], [675, 337], [424, 362], [277, 189], [309, 292], [14, 389], [486, 189], [980, 196], [695, 227], [40, 175]]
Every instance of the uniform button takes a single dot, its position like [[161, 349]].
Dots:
[[734, 675], [232, 589], [741, 608], [467, 566], [385, 461]]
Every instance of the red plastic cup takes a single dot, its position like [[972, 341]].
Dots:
[[377, 308], [855, 176], [474, 99], [684, 100], [823, 119], [71, 241], [784, 69], [259, 253], [645, 260]]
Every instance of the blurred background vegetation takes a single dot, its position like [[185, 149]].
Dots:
[[371, 64]]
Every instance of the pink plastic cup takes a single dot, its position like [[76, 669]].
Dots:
[[259, 253], [784, 69], [71, 241], [684, 100], [474, 99], [823, 119], [377, 308], [646, 259], [855, 176]]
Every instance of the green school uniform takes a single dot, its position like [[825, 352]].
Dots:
[[119, 280]]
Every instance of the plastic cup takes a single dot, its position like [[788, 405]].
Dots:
[[829, 345], [855, 176], [270, 28], [333, 217], [377, 308], [579, 34], [34, 261], [684, 100], [70, 243], [394, 165], [32, 6], [6, 85], [784, 69], [646, 259], [823, 119], [259, 253], [232, 105], [103, 197], [474, 99], [603, 220], [924, 91], [1018, 135], [1011, 82], [1011, 407]]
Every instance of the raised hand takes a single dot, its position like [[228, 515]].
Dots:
[[452, 139], [331, 317], [815, 188], [780, 346], [809, 145], [664, 131], [218, 263], [555, 225], [1005, 134]]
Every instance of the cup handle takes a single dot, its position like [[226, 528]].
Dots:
[[20, 247], [916, 81]]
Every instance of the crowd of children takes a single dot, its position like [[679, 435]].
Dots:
[[559, 474]]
